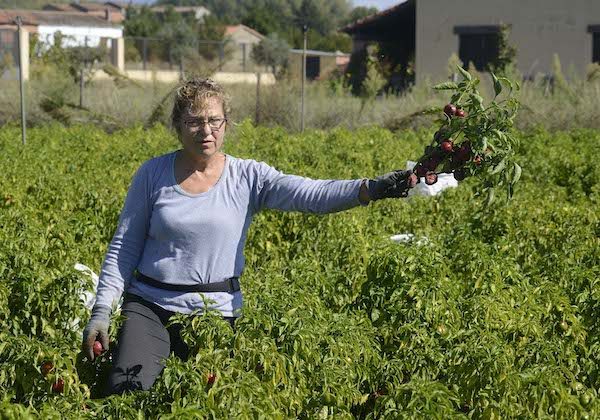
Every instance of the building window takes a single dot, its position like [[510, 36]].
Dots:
[[8, 46], [477, 45], [313, 67], [595, 31]]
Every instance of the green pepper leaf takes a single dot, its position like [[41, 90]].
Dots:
[[464, 73], [516, 173], [446, 86], [497, 85]]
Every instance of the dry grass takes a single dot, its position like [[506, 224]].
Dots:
[[119, 105]]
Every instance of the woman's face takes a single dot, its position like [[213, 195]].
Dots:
[[202, 133]]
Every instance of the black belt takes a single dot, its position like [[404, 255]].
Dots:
[[230, 285]]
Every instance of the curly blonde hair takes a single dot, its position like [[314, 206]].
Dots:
[[193, 94]]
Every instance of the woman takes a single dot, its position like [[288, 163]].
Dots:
[[182, 231]]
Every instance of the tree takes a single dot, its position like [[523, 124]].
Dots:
[[178, 34], [210, 30], [141, 22], [268, 16], [272, 51], [285, 17], [506, 52], [358, 13]]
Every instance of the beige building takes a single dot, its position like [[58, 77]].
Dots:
[[432, 30], [240, 40]]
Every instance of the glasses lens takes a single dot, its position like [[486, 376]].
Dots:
[[213, 123]]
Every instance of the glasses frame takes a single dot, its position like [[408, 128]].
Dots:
[[203, 122]]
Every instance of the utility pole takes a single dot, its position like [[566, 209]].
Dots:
[[305, 32], [20, 30]]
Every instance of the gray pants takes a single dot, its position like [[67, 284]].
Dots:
[[143, 345]]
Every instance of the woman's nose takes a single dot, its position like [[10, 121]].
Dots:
[[206, 128]]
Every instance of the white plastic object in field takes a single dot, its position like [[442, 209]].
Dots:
[[444, 181], [406, 238], [88, 297]]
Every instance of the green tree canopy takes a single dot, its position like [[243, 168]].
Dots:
[[141, 22], [272, 51], [286, 18]]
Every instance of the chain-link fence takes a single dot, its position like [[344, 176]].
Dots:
[[145, 53], [8, 53]]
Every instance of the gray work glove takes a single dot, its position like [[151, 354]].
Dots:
[[391, 185], [96, 330]]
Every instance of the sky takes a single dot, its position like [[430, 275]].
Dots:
[[380, 4]]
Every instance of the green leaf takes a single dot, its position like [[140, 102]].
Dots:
[[499, 167], [484, 143], [464, 73], [516, 173], [490, 197], [477, 100], [507, 82], [446, 86], [374, 314], [497, 85]]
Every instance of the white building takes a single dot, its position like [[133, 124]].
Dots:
[[78, 29]]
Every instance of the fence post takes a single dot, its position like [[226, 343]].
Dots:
[[118, 53], [305, 31], [81, 74], [144, 51], [244, 57], [221, 55], [257, 115], [23, 47]]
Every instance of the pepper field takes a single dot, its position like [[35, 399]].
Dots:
[[496, 316]]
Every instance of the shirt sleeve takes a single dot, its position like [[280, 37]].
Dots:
[[125, 249], [276, 190]]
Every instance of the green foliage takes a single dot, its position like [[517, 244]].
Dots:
[[360, 12], [505, 60], [141, 22], [78, 60], [494, 317], [6, 62], [272, 52], [286, 18], [374, 80], [487, 131]]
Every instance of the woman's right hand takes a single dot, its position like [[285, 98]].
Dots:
[[96, 330], [391, 185]]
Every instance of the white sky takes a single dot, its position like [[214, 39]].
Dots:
[[380, 4]]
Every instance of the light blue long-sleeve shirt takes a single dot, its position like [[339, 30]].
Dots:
[[181, 238]]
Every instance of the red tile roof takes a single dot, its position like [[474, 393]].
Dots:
[[229, 30]]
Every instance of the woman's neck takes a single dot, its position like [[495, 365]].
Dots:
[[201, 163]]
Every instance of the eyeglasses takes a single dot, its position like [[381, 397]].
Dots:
[[214, 123]]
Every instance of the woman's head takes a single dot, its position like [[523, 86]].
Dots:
[[193, 97]]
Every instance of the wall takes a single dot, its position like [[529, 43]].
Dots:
[[166, 76], [78, 34], [327, 65], [235, 53], [539, 29]]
